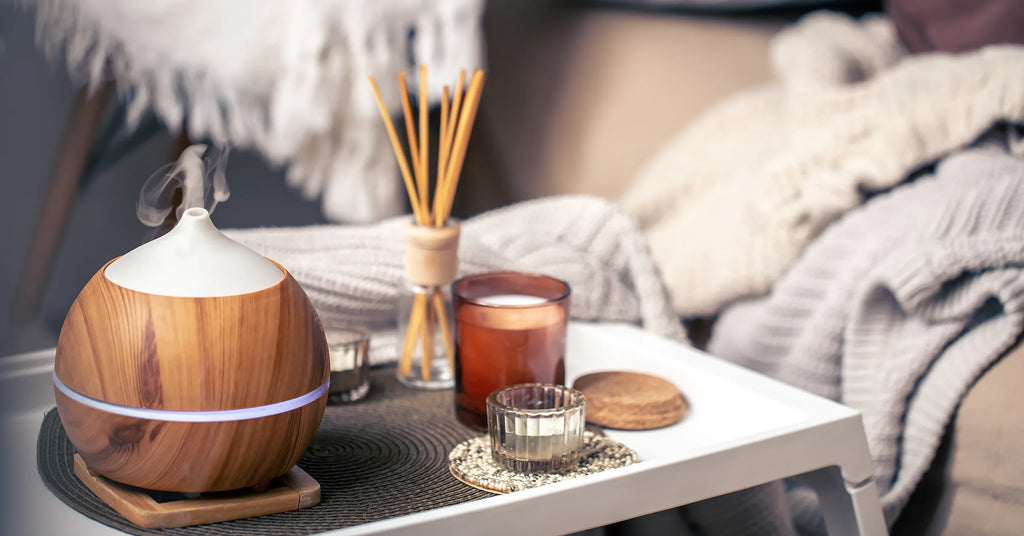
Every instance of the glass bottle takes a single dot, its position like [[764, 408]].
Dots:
[[426, 328]]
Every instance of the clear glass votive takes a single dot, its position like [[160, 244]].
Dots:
[[536, 428], [349, 348]]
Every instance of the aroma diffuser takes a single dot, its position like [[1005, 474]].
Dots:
[[191, 364]]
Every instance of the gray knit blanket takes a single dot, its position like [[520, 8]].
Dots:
[[895, 310], [353, 273]]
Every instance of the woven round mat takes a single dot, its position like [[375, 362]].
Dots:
[[472, 463], [382, 457]]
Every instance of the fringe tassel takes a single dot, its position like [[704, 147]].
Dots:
[[288, 79]]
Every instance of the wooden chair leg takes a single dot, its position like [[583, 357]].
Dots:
[[51, 221]]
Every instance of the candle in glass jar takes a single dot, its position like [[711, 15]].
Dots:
[[510, 330], [350, 365]]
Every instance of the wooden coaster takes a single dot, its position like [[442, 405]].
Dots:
[[292, 491], [630, 400]]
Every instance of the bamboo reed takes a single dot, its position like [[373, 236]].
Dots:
[[446, 332], [439, 218], [457, 116], [442, 149], [424, 184], [403, 165]]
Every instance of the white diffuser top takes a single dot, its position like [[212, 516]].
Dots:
[[193, 260]]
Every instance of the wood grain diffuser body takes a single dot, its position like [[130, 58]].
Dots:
[[191, 364]]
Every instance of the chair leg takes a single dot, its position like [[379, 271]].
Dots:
[[51, 221]]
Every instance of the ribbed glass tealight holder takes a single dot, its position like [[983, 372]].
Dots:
[[536, 428]]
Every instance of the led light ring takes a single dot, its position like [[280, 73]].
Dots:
[[222, 415]]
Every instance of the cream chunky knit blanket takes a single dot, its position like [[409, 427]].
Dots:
[[733, 199], [287, 78], [896, 309], [353, 273]]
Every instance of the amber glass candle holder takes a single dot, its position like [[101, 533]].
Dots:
[[510, 329]]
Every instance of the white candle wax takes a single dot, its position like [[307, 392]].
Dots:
[[511, 299]]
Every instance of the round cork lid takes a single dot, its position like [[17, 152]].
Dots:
[[630, 400]]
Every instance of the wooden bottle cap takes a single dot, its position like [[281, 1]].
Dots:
[[630, 400], [431, 254]]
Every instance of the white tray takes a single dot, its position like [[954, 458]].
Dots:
[[741, 429]]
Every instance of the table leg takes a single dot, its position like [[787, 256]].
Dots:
[[848, 508], [55, 211]]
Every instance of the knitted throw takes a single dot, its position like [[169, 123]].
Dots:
[[353, 273], [896, 310], [733, 199], [288, 78]]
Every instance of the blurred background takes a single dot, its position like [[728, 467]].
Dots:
[[567, 84]]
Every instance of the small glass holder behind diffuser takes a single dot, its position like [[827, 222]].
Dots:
[[425, 327], [349, 347]]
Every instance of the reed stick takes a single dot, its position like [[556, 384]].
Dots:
[[427, 359], [442, 153], [414, 150], [456, 104], [457, 116], [424, 140], [439, 218], [458, 153], [446, 330], [410, 128], [403, 165], [415, 320]]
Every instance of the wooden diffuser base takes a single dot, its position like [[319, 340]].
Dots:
[[292, 491]]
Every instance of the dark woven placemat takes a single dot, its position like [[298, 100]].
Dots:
[[382, 457]]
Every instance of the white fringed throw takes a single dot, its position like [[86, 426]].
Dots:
[[287, 78], [733, 200], [896, 309]]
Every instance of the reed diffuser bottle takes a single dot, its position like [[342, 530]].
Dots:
[[425, 327], [425, 307]]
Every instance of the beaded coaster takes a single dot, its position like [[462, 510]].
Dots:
[[471, 462]]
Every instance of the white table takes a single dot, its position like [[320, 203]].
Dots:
[[742, 429]]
